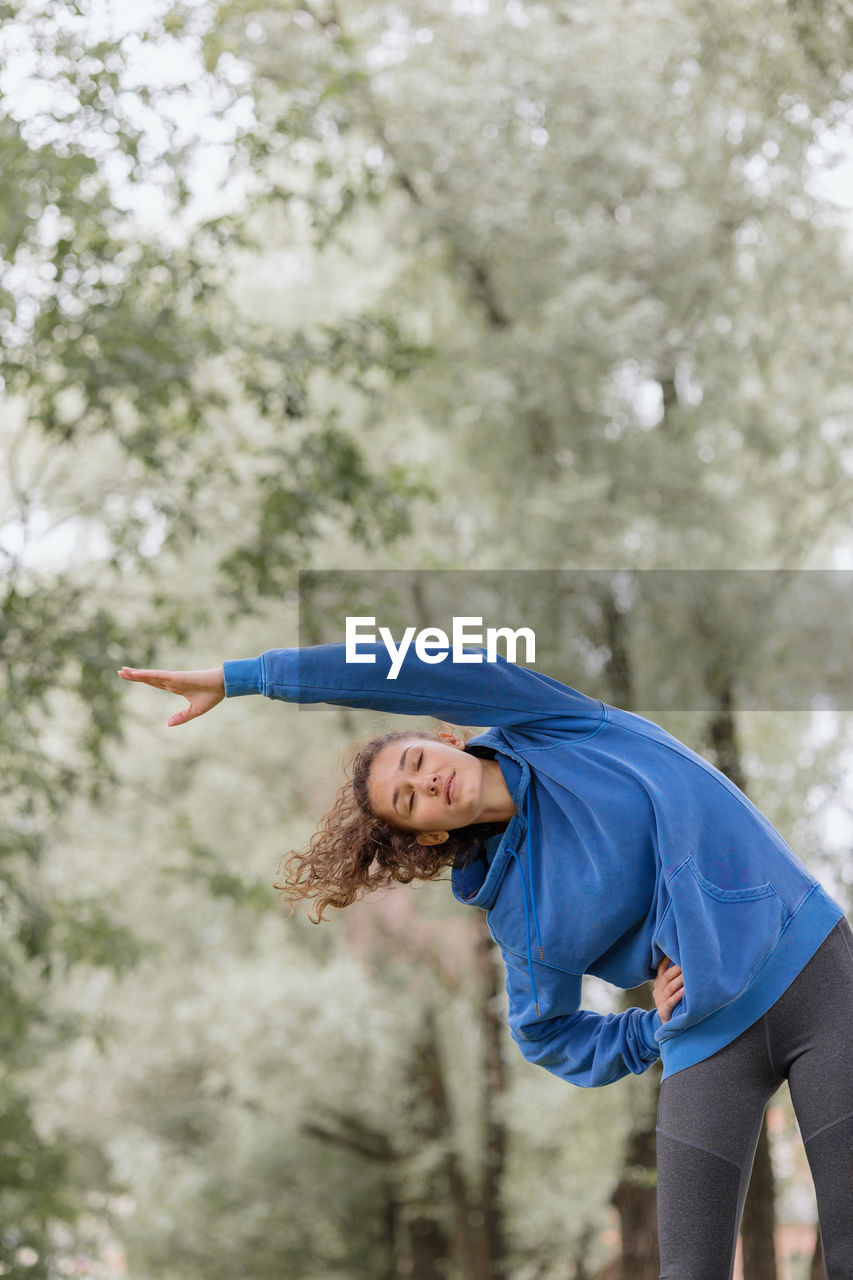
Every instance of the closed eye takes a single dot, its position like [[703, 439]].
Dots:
[[412, 797]]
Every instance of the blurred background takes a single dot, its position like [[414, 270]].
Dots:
[[440, 284]]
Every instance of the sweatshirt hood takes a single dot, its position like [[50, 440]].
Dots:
[[476, 882]]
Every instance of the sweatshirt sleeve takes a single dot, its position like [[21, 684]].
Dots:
[[473, 692], [578, 1045]]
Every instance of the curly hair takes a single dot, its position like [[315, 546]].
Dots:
[[353, 852]]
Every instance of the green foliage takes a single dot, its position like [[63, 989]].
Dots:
[[119, 350], [612, 229], [207, 868], [33, 1190], [500, 285], [294, 500]]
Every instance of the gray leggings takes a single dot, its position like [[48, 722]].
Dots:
[[709, 1117]]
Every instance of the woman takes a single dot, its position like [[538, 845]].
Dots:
[[598, 843]]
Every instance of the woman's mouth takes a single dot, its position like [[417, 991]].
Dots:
[[450, 785]]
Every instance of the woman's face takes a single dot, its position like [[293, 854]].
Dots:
[[426, 785]]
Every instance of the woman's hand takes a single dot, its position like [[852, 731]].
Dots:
[[668, 987], [202, 689]]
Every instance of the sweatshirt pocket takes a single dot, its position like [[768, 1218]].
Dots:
[[720, 938]]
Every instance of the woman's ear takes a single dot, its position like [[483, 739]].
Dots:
[[451, 739], [432, 837]]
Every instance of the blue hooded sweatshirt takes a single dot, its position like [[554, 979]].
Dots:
[[625, 846]]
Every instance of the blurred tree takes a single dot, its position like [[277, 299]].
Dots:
[[118, 348], [640, 322], [567, 260], [612, 231]]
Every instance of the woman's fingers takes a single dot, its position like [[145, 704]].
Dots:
[[668, 987], [202, 689], [140, 673], [673, 987], [181, 717], [159, 679]]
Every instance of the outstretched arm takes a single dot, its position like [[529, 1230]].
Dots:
[[202, 689], [475, 692]]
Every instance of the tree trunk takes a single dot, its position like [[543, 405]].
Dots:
[[427, 1250], [491, 1241], [635, 1196], [635, 1201], [723, 736], [352, 1134], [619, 675], [757, 1228], [582, 1252], [429, 1239]]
